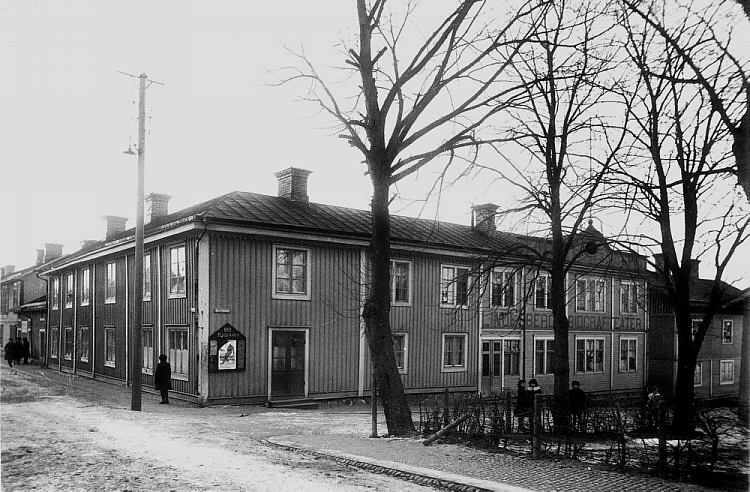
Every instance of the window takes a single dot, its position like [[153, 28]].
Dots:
[[454, 352], [541, 292], [69, 292], [454, 286], [543, 350], [109, 345], [147, 341], [503, 287], [68, 353], [15, 300], [698, 374], [291, 273], [590, 294], [726, 372], [110, 287], [491, 358], [178, 351], [589, 355], [400, 350], [727, 331], [511, 357], [400, 282], [628, 355], [147, 277], [85, 287], [56, 293], [177, 272], [54, 342], [628, 298], [695, 327], [84, 343]]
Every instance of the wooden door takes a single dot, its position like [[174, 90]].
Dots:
[[288, 364]]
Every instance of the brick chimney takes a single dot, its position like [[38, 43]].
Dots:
[[113, 225], [39, 256], [157, 205], [483, 217], [52, 251], [7, 270], [87, 242], [293, 184]]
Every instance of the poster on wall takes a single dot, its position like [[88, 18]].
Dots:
[[226, 350]]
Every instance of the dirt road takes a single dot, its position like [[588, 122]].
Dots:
[[64, 433]]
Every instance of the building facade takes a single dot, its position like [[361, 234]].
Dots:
[[256, 298]]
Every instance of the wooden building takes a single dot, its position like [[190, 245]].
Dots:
[[256, 298]]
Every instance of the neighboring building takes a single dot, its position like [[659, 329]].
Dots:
[[717, 370], [256, 298], [23, 303]]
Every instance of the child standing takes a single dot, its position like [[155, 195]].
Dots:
[[163, 379]]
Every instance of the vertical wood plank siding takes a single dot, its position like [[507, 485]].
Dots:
[[83, 318]]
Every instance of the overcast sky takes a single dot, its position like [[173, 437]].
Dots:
[[215, 126]]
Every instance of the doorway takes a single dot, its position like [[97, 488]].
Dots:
[[288, 363]]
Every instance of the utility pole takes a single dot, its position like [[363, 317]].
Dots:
[[137, 317]]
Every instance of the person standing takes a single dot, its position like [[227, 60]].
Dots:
[[26, 350], [18, 350], [523, 406], [9, 348], [576, 397], [652, 407], [163, 379]]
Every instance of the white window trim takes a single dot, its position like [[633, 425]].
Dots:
[[144, 369], [55, 303], [597, 280], [111, 299], [634, 286], [693, 323], [548, 340], [65, 343], [453, 304], [180, 376], [393, 283], [405, 369], [81, 357], [109, 363], [147, 297], [575, 356], [85, 286], [69, 290], [516, 287], [724, 322], [727, 361], [462, 368], [308, 277], [698, 364], [619, 358], [547, 285], [170, 294]]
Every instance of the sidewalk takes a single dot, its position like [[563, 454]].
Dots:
[[340, 434]]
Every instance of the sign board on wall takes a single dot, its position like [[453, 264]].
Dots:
[[226, 350]]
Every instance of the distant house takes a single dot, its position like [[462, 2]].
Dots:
[[23, 301], [258, 298], [717, 370]]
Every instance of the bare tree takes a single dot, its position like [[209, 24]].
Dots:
[[677, 176], [415, 105]]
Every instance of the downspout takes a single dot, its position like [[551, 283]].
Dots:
[[480, 322], [46, 318], [612, 334]]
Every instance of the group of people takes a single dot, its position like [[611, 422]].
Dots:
[[15, 350], [525, 403]]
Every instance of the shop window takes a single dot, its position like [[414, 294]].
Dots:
[[543, 352]]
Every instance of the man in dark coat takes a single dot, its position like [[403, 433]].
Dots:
[[26, 350], [18, 350], [10, 348], [576, 396], [524, 405], [163, 379]]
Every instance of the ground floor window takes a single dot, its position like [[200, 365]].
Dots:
[[109, 346], [84, 343], [178, 351], [491, 357], [589, 355], [68, 343], [147, 341], [511, 357], [698, 374], [543, 350], [54, 342], [399, 350], [726, 372], [454, 352], [628, 355]]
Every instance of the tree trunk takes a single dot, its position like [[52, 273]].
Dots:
[[683, 422], [741, 150], [560, 322], [744, 404], [376, 314]]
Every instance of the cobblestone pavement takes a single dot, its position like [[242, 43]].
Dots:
[[334, 434]]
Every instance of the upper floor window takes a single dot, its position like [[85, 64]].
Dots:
[[628, 298], [85, 287], [291, 273], [628, 355], [4, 298], [541, 292], [503, 288], [454, 352], [590, 294], [696, 324], [56, 293], [147, 277], [589, 355], [69, 292], [454, 286], [177, 272], [400, 282], [726, 372], [110, 284], [727, 331], [15, 299], [698, 374], [543, 352], [400, 350]]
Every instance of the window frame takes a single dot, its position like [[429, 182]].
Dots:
[[85, 287], [54, 339], [110, 283], [410, 283], [699, 372], [300, 296], [459, 367], [722, 364], [55, 305], [450, 288], [110, 335], [404, 368], [547, 355], [68, 342], [180, 365], [181, 263], [502, 298], [147, 277], [629, 305], [15, 294], [546, 288], [147, 361], [69, 290], [593, 302], [724, 324], [695, 324], [584, 370], [84, 343], [628, 358], [509, 356]]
